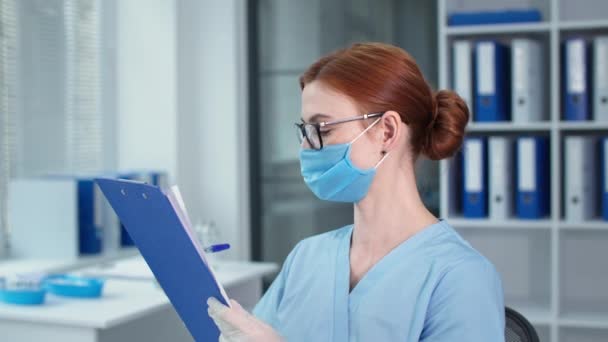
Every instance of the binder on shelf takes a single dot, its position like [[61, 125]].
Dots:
[[492, 84], [576, 97], [600, 78], [511, 16], [90, 216], [89, 210], [527, 75], [500, 172], [604, 177], [455, 185], [475, 194], [579, 180], [462, 72], [532, 198]]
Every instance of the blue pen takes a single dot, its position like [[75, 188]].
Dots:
[[217, 248]]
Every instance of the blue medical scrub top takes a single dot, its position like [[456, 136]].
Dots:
[[432, 287]]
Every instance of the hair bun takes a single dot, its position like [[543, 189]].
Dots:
[[447, 128]]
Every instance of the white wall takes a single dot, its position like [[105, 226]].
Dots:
[[213, 152], [146, 123], [180, 103]]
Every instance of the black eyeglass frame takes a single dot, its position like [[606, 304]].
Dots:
[[318, 125]]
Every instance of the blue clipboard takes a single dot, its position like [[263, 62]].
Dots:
[[155, 227]]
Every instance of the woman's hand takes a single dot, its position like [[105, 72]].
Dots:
[[237, 325]]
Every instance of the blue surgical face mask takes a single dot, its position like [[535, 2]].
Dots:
[[331, 175]]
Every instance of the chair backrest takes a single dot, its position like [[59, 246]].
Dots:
[[518, 328]]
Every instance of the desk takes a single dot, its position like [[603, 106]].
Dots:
[[131, 309]]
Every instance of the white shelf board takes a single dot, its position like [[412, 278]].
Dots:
[[583, 126], [499, 224], [584, 320], [508, 126], [585, 225], [471, 30], [583, 25]]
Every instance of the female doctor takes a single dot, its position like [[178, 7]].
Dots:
[[398, 273]]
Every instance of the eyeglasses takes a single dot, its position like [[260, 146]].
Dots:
[[312, 131]]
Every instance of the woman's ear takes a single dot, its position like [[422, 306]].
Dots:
[[391, 124]]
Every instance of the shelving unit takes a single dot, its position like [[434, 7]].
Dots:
[[555, 272], [486, 127], [583, 25], [583, 126], [496, 29], [588, 225], [506, 224]]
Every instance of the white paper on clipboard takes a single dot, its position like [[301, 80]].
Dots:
[[175, 197]]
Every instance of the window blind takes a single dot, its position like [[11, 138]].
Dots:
[[50, 117], [8, 101], [83, 119]]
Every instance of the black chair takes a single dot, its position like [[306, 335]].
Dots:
[[518, 328]]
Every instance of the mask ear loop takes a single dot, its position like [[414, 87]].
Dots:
[[361, 134], [382, 160], [365, 130]]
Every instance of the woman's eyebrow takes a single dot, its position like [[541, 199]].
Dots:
[[317, 117]]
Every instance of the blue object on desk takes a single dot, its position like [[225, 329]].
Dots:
[[495, 17], [21, 295], [90, 220], [73, 286], [171, 254], [217, 248]]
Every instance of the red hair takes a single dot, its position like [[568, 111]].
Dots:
[[381, 77]]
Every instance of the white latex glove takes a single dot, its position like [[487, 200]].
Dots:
[[237, 325]]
